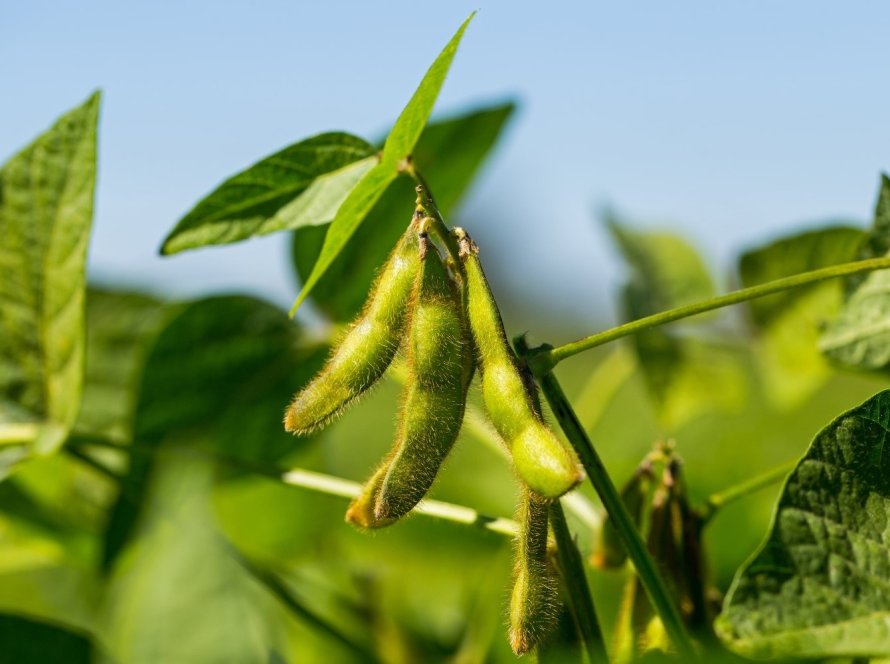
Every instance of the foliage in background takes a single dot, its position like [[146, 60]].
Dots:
[[145, 514]]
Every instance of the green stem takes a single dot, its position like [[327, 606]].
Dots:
[[647, 572], [721, 499], [547, 358], [577, 590], [438, 225], [95, 464]]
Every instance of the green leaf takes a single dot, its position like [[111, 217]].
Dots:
[[27, 641], [685, 376], [302, 185], [178, 594], [818, 586], [120, 328], [413, 118], [859, 337], [789, 323], [449, 154], [370, 188], [46, 210], [353, 211], [667, 271], [221, 371]]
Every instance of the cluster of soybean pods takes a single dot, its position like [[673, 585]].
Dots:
[[442, 315]]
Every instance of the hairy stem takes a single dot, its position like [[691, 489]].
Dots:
[[717, 501], [542, 361], [649, 576], [571, 570]]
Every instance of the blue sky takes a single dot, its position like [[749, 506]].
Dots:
[[731, 122]]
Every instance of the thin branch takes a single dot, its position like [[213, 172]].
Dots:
[[336, 486], [721, 499], [94, 463], [577, 590], [542, 361]]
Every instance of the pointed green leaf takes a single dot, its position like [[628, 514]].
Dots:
[[818, 586], [353, 211], [789, 324], [302, 185], [370, 188], [449, 154], [414, 116], [46, 210]]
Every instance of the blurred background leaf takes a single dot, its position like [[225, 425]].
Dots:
[[46, 210], [221, 371], [26, 641], [120, 328], [859, 338], [177, 593], [685, 376], [787, 325]]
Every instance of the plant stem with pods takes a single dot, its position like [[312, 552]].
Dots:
[[577, 590], [639, 555]]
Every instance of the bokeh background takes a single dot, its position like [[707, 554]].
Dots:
[[728, 123]]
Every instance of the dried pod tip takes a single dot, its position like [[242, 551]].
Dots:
[[465, 243]]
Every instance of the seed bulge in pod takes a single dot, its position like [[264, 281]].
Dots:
[[439, 363], [541, 459], [368, 347]]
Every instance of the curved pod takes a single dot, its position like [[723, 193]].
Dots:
[[541, 459], [368, 347]]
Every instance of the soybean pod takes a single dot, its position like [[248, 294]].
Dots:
[[367, 348], [440, 364], [534, 602], [541, 459]]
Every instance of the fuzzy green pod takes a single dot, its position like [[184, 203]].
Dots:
[[440, 364], [534, 602], [541, 459], [367, 348], [440, 368]]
